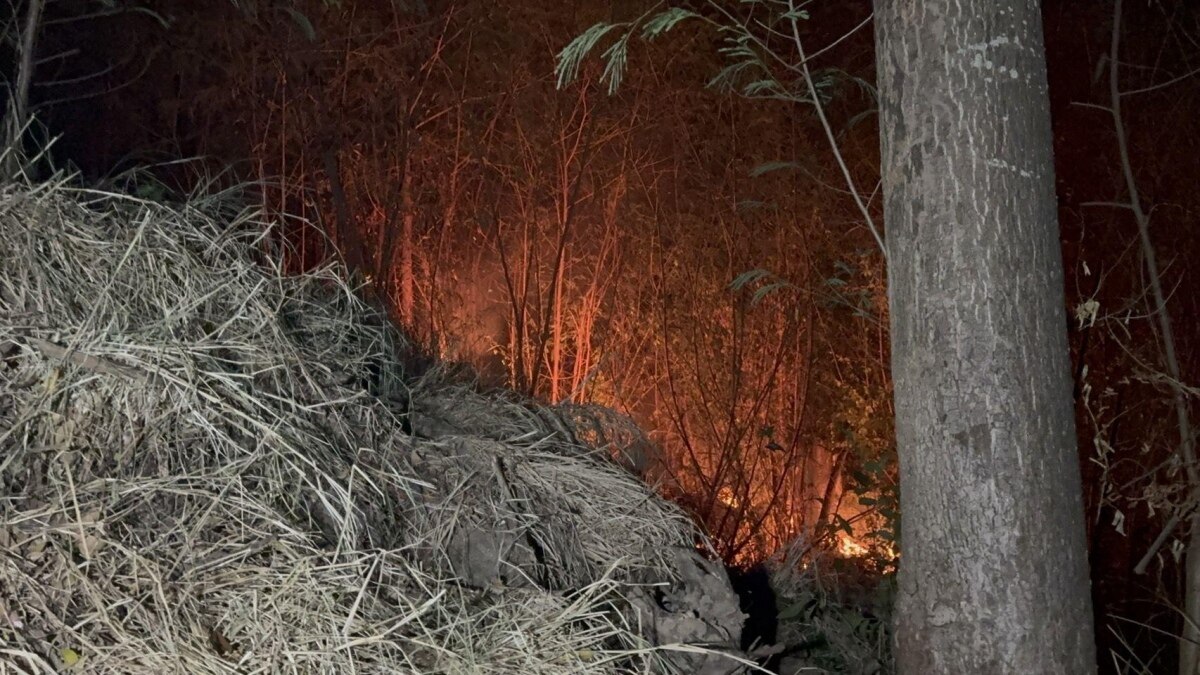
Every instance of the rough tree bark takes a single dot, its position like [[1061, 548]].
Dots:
[[993, 575]]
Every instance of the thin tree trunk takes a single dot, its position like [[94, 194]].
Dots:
[[346, 237], [18, 112], [556, 340], [407, 243], [831, 495], [993, 575]]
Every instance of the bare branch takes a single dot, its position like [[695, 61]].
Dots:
[[829, 135], [1161, 85]]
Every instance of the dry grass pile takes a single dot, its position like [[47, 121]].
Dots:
[[834, 613], [208, 466]]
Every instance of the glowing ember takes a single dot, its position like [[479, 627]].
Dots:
[[726, 496], [850, 548]]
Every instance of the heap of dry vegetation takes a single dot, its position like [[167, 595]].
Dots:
[[209, 466]]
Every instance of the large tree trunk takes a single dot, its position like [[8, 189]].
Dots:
[[993, 575]]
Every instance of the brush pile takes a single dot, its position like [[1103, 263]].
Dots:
[[209, 466]]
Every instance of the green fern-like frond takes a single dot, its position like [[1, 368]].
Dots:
[[616, 58], [738, 48], [768, 167], [863, 85], [768, 290], [571, 57], [303, 23], [727, 78], [825, 82], [749, 277], [665, 21], [743, 60], [768, 87], [795, 15], [771, 284]]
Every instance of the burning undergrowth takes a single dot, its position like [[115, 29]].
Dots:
[[834, 612], [209, 466]]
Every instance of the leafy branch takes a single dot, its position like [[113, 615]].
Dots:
[[748, 71]]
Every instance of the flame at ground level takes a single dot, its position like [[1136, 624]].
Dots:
[[850, 548]]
